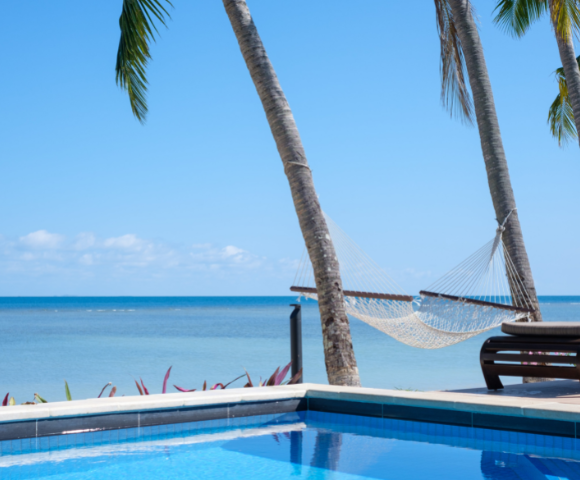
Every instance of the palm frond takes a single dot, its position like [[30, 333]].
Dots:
[[455, 95], [137, 23], [516, 16], [561, 115], [566, 17]]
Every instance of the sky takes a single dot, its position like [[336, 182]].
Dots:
[[195, 202]]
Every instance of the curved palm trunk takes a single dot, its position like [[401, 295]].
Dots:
[[338, 352], [491, 143], [571, 70]]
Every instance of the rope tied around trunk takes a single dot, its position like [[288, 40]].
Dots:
[[299, 164], [501, 227]]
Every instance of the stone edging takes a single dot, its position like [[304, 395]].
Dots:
[[495, 412]]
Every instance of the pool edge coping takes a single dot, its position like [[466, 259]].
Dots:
[[510, 406], [510, 413]]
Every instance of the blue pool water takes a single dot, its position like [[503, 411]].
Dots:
[[305, 445], [93, 341]]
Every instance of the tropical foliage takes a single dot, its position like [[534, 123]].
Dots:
[[277, 378], [455, 95], [561, 115], [516, 17], [138, 30]]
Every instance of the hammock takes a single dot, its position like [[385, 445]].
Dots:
[[472, 298]]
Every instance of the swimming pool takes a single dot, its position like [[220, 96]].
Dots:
[[297, 445]]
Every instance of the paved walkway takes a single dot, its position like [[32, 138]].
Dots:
[[558, 391]]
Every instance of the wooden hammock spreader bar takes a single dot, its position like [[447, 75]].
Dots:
[[354, 293], [476, 302]]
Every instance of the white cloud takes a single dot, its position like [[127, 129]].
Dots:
[[231, 251], [43, 252], [85, 240], [42, 239], [128, 241]]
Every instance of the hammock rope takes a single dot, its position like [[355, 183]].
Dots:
[[477, 295]]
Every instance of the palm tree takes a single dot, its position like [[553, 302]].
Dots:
[[137, 24], [516, 16], [560, 115], [460, 43]]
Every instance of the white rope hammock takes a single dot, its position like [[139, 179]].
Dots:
[[472, 298]]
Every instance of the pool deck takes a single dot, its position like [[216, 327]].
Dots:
[[559, 391], [549, 407]]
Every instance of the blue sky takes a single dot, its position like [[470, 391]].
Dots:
[[196, 202]]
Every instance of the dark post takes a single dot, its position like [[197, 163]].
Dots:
[[296, 340]]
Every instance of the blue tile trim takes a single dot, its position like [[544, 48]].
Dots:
[[431, 415], [246, 409], [345, 406], [447, 416], [152, 422], [525, 424], [183, 415], [45, 427], [17, 430], [146, 419]]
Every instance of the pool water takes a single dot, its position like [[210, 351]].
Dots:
[[304, 445]]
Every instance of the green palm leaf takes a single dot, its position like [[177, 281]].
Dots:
[[137, 23], [566, 17], [516, 16], [455, 95], [560, 115]]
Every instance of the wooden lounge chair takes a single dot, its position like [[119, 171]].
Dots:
[[538, 349]]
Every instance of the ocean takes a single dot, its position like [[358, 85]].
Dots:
[[95, 340]]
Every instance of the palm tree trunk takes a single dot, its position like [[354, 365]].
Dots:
[[341, 365], [571, 70], [491, 143]]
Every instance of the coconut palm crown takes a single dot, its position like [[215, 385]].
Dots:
[[516, 17]]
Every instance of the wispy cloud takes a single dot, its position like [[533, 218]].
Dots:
[[42, 240], [42, 251], [49, 263]]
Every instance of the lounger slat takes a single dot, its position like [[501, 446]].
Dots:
[[517, 347], [569, 373], [570, 342], [499, 357]]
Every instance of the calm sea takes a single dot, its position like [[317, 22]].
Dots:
[[92, 341]]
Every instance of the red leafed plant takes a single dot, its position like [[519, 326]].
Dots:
[[277, 378]]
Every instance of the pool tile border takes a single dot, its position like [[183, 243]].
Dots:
[[475, 411], [448, 417], [142, 419], [346, 407]]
